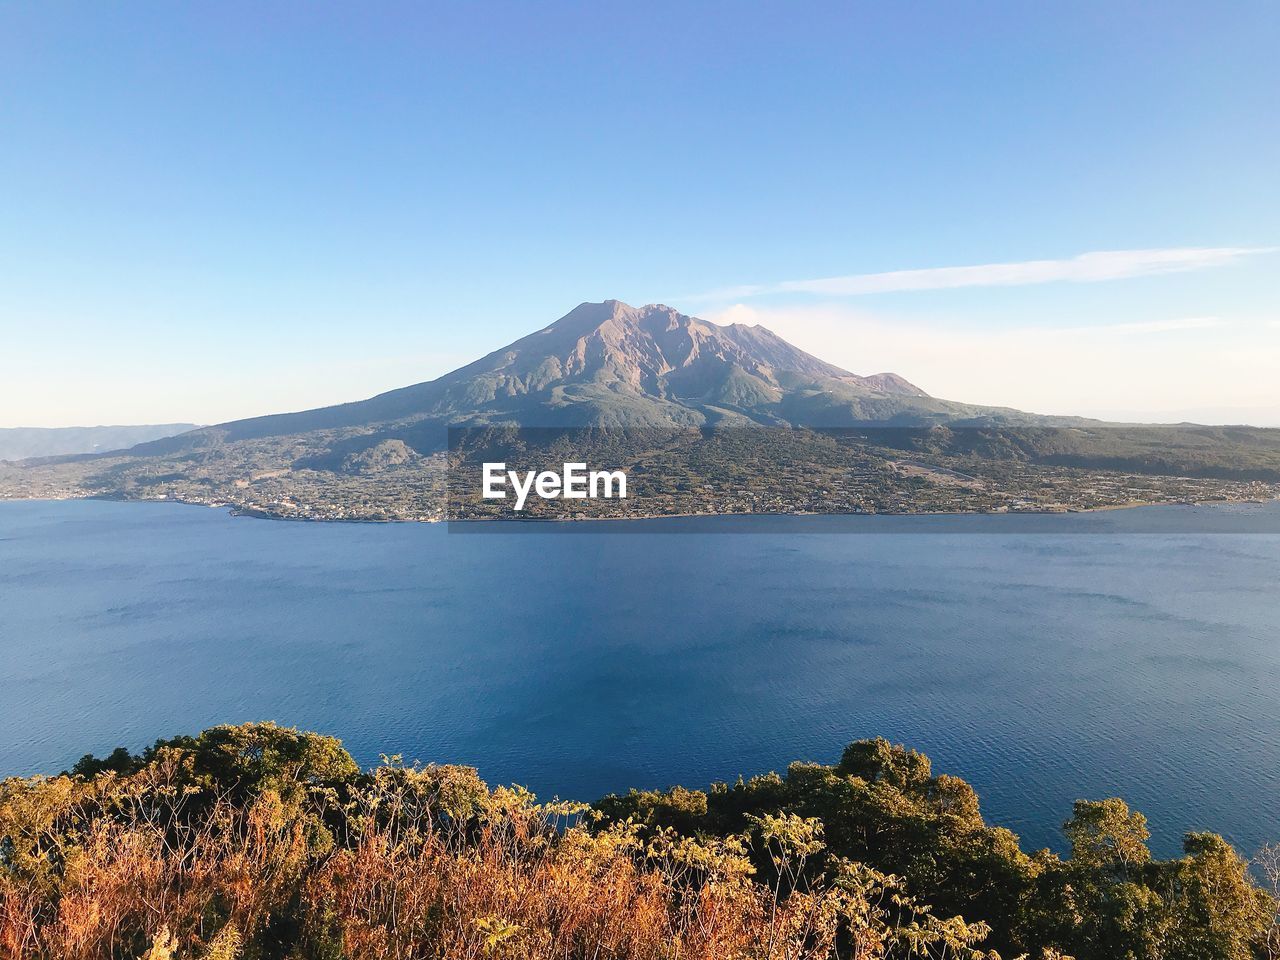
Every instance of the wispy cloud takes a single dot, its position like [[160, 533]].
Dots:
[[1085, 268], [1206, 368]]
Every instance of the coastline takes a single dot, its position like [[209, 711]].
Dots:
[[254, 513]]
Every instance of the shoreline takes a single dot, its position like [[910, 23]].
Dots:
[[236, 511]]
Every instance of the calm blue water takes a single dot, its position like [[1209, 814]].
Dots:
[[1039, 667]]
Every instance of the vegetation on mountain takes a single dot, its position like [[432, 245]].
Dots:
[[741, 408], [258, 841], [859, 470]]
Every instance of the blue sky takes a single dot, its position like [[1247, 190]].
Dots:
[[210, 211]]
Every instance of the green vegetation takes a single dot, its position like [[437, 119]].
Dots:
[[881, 805], [263, 842], [872, 470]]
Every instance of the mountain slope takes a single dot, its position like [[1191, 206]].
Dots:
[[20, 443], [610, 364]]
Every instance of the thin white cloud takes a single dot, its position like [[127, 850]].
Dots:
[[1085, 268], [1207, 369]]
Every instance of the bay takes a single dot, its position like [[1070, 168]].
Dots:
[[1041, 666]]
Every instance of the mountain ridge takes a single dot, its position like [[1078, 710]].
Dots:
[[610, 364], [815, 438]]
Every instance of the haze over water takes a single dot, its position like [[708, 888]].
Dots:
[[1040, 667]]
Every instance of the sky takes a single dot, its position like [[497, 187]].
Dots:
[[213, 211]]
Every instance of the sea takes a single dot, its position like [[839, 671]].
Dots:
[[1134, 653]]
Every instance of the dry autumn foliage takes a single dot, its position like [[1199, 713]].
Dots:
[[168, 862], [263, 843]]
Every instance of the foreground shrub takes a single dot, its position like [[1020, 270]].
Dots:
[[261, 842]]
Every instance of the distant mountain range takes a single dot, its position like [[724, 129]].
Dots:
[[609, 365], [21, 443]]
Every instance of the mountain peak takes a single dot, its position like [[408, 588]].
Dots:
[[609, 353], [608, 363], [591, 315]]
